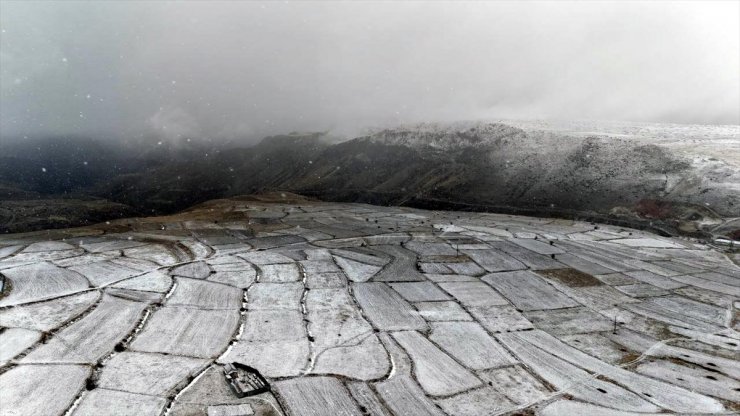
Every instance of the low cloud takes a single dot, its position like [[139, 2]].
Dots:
[[174, 124], [248, 69]]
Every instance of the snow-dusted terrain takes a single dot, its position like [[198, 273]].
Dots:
[[351, 309], [696, 140], [685, 177], [680, 179]]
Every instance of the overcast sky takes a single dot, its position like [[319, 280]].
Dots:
[[247, 69]]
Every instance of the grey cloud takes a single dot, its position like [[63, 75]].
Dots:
[[247, 69]]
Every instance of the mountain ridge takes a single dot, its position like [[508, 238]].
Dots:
[[475, 164]]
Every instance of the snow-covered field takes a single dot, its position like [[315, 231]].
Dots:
[[352, 309]]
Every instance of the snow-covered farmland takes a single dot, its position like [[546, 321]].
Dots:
[[425, 313]]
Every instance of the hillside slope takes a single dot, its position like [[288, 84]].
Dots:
[[676, 178]]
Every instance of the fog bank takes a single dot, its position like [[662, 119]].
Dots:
[[247, 69]]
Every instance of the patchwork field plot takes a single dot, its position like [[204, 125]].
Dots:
[[349, 309], [40, 281]]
